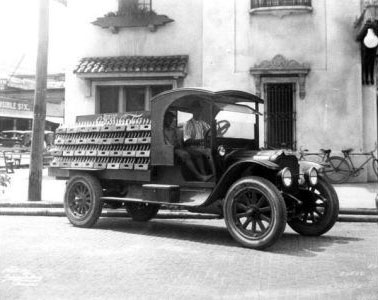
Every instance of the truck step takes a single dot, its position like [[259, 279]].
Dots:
[[169, 195], [161, 193]]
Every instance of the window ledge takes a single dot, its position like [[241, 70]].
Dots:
[[281, 11], [114, 22]]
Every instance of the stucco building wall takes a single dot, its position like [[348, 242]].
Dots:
[[335, 113], [182, 37], [324, 39]]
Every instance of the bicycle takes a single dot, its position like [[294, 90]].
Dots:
[[333, 168], [342, 168], [321, 158], [328, 170]]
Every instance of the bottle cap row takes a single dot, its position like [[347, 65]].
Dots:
[[103, 153], [103, 141], [105, 163], [104, 128]]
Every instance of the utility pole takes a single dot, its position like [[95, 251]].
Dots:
[[35, 172]]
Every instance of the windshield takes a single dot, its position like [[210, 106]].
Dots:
[[236, 121]]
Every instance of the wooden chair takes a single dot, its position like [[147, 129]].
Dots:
[[8, 161], [17, 158]]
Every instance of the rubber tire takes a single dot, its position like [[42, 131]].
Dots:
[[142, 212], [375, 166], [330, 215], [95, 209], [337, 161], [278, 211]]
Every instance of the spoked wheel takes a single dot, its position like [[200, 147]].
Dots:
[[254, 212], [319, 212], [82, 200], [337, 170], [142, 212]]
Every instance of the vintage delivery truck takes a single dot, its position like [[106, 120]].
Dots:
[[128, 162]]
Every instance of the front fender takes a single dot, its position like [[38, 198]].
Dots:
[[262, 168]]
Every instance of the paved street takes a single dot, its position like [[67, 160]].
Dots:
[[47, 258]]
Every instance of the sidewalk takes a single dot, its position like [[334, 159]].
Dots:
[[16, 193], [355, 198]]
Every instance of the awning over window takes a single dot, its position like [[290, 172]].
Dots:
[[132, 66]]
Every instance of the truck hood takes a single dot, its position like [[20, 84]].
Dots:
[[263, 155], [270, 155]]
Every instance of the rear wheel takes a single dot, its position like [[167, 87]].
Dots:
[[337, 170], [319, 211], [82, 200], [142, 212], [254, 212]]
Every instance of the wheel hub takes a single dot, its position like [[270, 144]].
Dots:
[[253, 211], [80, 200]]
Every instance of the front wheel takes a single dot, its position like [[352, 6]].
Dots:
[[337, 170], [82, 200], [254, 212], [142, 212], [319, 211]]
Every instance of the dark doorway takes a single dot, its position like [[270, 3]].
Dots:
[[280, 116]]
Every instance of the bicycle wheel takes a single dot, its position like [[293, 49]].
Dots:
[[375, 166], [337, 170]]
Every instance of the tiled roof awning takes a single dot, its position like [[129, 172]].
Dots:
[[132, 66]]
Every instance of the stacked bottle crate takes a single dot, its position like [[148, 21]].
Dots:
[[123, 143]]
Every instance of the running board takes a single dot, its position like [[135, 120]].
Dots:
[[178, 204], [187, 198]]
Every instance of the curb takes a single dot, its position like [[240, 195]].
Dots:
[[31, 205], [359, 211], [370, 216], [105, 213], [358, 219], [342, 211]]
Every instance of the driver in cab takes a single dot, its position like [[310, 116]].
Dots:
[[194, 134], [192, 158], [195, 128]]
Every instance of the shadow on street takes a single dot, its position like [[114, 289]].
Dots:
[[289, 244]]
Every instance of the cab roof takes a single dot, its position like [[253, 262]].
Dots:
[[223, 96]]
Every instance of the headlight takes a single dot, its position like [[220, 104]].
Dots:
[[312, 176], [286, 177]]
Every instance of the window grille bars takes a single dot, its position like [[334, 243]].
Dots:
[[272, 3]]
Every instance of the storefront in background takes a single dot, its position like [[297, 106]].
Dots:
[[17, 98], [17, 115]]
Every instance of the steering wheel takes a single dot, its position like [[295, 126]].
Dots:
[[223, 126]]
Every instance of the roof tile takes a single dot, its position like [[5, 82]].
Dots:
[[132, 64]]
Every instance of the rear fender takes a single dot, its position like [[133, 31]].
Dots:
[[241, 169]]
